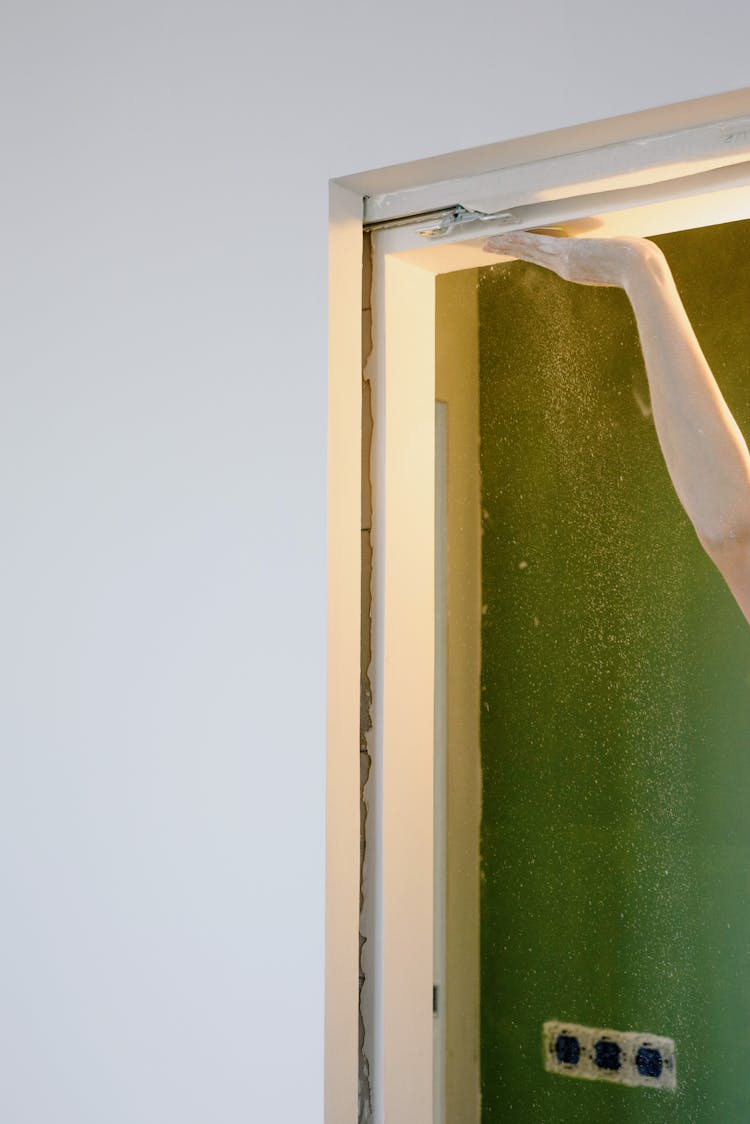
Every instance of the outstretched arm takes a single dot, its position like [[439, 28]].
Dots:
[[706, 454]]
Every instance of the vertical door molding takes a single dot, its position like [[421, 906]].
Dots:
[[343, 649], [400, 960]]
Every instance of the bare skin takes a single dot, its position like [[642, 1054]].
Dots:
[[706, 455]]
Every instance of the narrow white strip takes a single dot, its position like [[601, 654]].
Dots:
[[645, 160]]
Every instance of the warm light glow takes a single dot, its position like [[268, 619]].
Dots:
[[673, 214], [620, 181], [662, 217]]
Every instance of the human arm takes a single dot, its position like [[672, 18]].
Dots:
[[705, 453]]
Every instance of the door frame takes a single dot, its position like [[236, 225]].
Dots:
[[654, 198]]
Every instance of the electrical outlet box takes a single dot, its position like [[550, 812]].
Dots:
[[621, 1057]]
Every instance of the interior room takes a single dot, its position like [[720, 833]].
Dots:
[[596, 701]]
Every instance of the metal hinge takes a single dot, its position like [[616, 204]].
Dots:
[[460, 216], [446, 220]]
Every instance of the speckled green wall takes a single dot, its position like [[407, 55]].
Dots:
[[616, 705]]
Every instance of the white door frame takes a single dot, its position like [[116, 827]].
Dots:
[[405, 266]]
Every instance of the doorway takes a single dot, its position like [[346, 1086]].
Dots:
[[611, 698], [399, 963]]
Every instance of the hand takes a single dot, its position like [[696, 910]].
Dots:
[[589, 261]]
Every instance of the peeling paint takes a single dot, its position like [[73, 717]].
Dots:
[[365, 1114]]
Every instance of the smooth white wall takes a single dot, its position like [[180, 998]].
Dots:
[[162, 497]]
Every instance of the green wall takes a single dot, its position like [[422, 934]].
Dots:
[[615, 704]]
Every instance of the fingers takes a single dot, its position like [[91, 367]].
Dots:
[[521, 243], [501, 244], [588, 261], [540, 249]]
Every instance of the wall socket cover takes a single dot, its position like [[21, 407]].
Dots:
[[600, 1054]]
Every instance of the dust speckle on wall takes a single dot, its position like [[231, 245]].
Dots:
[[615, 836]]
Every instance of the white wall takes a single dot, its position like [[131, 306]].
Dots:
[[162, 497]]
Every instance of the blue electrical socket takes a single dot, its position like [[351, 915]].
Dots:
[[620, 1057]]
